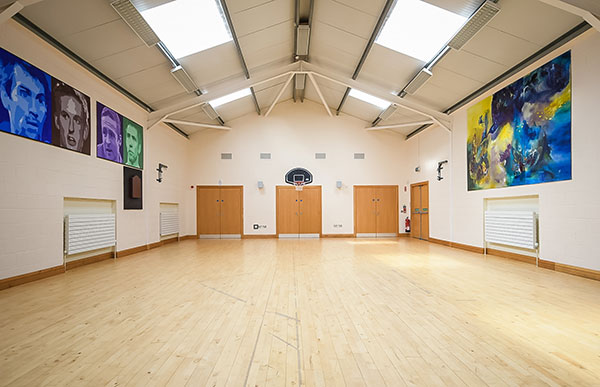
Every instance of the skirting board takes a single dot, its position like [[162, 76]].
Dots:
[[568, 269], [337, 236], [86, 261], [30, 277]]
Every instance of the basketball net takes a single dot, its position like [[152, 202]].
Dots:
[[299, 185]]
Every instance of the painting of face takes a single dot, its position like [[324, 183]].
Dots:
[[109, 134], [71, 119]]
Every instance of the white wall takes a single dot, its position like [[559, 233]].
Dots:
[[293, 133], [36, 177], [569, 211]]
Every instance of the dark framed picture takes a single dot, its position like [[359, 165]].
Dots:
[[25, 99], [132, 189], [70, 118]]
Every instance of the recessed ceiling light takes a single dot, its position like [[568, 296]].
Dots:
[[369, 98], [419, 29], [229, 97], [188, 26]]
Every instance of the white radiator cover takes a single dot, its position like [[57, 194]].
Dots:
[[169, 223], [89, 232], [512, 228]]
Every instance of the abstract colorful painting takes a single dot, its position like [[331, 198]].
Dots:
[[522, 133]]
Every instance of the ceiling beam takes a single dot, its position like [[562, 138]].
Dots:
[[220, 91], [11, 11], [239, 51], [192, 123], [382, 17], [285, 85], [441, 118], [312, 79], [588, 10], [401, 125]]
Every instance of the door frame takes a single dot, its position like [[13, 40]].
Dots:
[[422, 183], [355, 204], [287, 187], [199, 187]]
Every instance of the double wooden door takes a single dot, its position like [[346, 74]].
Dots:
[[298, 212], [376, 210], [219, 211], [419, 210]]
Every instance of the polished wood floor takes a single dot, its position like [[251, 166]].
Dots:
[[302, 312]]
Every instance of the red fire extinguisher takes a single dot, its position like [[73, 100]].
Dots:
[[407, 225]]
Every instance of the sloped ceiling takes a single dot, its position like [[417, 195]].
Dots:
[[340, 31]]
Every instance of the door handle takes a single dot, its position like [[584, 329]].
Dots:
[[301, 213]]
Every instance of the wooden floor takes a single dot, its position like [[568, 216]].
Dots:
[[302, 312]]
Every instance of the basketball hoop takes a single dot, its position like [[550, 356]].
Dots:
[[299, 185]]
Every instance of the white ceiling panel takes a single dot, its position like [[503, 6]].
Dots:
[[266, 95], [331, 58], [362, 110], [329, 35], [452, 81], [270, 36], [435, 97], [103, 40], [60, 18], [471, 65], [529, 20], [500, 47], [262, 16], [389, 69], [212, 65], [345, 18], [235, 109], [130, 61], [154, 84], [235, 6], [276, 56], [371, 7]]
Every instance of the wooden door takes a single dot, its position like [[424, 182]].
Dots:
[[387, 210], [419, 204], [309, 210], [365, 210], [415, 208], [425, 211], [288, 221], [231, 210], [208, 217]]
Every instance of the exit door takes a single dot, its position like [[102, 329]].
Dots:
[[419, 210], [219, 211]]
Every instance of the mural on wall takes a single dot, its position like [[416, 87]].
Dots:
[[522, 133], [24, 99]]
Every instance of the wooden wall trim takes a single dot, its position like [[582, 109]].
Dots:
[[30, 277], [338, 235], [133, 250], [86, 261], [510, 255], [186, 237], [403, 234], [259, 236], [550, 265], [578, 271]]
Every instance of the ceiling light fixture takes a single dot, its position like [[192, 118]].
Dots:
[[184, 79], [132, 17], [418, 81], [476, 22], [302, 39]]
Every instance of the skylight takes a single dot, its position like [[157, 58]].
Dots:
[[419, 29], [369, 98], [188, 26], [229, 97]]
